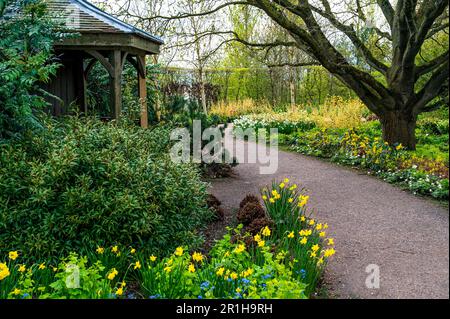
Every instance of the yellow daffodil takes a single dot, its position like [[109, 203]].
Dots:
[[42, 266], [168, 269], [312, 222], [238, 290], [322, 234], [132, 251], [227, 254], [233, 275], [123, 284], [55, 269], [22, 268], [257, 237], [293, 187], [220, 271], [330, 241], [303, 218], [303, 201], [112, 274], [191, 268], [239, 249], [198, 257], [119, 291], [264, 197], [315, 248], [115, 249], [291, 235], [282, 185], [329, 252], [291, 200], [286, 180], [13, 255], [319, 226], [399, 147], [266, 231], [303, 241], [325, 226], [137, 265], [153, 258], [313, 255], [179, 251], [16, 292], [248, 272], [320, 261], [4, 271], [261, 243], [272, 200], [100, 250], [274, 192]]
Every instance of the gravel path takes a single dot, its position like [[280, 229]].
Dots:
[[372, 223]]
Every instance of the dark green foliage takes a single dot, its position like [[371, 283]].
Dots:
[[84, 183], [26, 41]]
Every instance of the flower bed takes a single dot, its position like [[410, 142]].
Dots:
[[285, 261]]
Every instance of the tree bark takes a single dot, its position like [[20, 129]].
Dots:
[[399, 128]]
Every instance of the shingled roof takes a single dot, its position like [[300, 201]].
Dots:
[[83, 17]]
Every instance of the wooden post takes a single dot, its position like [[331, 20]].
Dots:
[[142, 88], [116, 84]]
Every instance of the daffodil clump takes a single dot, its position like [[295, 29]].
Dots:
[[297, 233]]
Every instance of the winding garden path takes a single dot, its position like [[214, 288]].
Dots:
[[372, 222]]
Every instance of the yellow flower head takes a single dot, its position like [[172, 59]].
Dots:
[[42, 266], [220, 271], [4, 271], [303, 218], [266, 231], [168, 269], [293, 187], [132, 251], [302, 233], [16, 292], [261, 243], [198, 257], [313, 255], [319, 226], [325, 226], [272, 200], [264, 197], [112, 274], [399, 147], [320, 261], [329, 252], [322, 234], [13, 255], [115, 249], [312, 222], [257, 238], [22, 268], [191, 268], [179, 251], [233, 275], [290, 200], [240, 248], [153, 258], [291, 235], [55, 269], [123, 284], [303, 241], [274, 192], [315, 248], [248, 272], [137, 265], [227, 254], [100, 250], [238, 290], [330, 241], [282, 185], [286, 180], [119, 291]]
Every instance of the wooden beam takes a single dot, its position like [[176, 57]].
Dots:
[[116, 83], [142, 88], [104, 61], [157, 102]]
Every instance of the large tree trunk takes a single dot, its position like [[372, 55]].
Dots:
[[399, 128]]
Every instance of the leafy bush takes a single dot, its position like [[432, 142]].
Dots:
[[82, 182]]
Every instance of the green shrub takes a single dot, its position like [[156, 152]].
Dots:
[[84, 183]]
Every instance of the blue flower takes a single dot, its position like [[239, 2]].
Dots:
[[200, 297], [155, 296], [25, 295], [245, 281], [204, 285], [267, 276]]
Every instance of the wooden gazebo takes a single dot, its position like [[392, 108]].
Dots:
[[100, 38]]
